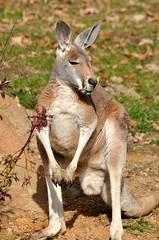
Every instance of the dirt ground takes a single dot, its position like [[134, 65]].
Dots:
[[87, 218]]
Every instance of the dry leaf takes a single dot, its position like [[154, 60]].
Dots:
[[137, 84], [124, 61], [107, 35], [156, 125], [21, 41], [17, 41], [107, 47], [32, 54], [139, 67], [149, 98], [138, 137], [128, 53], [113, 19], [44, 42], [55, 45], [114, 66], [146, 41], [27, 42], [32, 1], [153, 67], [138, 17], [27, 16], [47, 41], [78, 25], [130, 76], [103, 76], [134, 123], [117, 79], [88, 10], [140, 56], [103, 81], [120, 89]]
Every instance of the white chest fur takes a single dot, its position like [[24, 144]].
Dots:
[[64, 132]]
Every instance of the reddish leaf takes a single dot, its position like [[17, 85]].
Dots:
[[134, 123], [149, 98], [137, 84], [107, 35], [40, 120], [130, 76], [4, 86], [2, 94]]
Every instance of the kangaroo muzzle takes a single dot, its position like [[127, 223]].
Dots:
[[92, 82], [88, 86]]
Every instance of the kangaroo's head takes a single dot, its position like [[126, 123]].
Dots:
[[73, 65]]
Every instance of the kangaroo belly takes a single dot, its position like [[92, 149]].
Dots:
[[64, 134]]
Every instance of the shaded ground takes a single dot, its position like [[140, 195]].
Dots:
[[86, 217]]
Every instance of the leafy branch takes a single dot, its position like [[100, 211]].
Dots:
[[38, 122]]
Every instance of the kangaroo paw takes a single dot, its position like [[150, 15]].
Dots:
[[56, 175], [69, 175]]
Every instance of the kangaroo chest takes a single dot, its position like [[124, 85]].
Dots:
[[69, 114]]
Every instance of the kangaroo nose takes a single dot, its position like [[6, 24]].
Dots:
[[92, 81]]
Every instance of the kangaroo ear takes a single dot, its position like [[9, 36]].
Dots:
[[88, 36], [63, 36]]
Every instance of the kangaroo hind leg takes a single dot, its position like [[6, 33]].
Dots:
[[115, 154]]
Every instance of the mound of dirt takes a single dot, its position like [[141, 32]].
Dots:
[[14, 131], [13, 126]]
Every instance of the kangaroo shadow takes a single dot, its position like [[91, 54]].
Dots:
[[40, 197], [80, 204], [74, 200]]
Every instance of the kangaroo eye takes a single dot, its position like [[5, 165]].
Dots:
[[73, 62]]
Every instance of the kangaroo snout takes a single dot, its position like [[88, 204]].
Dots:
[[92, 82], [89, 86]]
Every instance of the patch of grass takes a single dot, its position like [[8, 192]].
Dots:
[[31, 64], [143, 113], [29, 87], [10, 14], [155, 141], [140, 225]]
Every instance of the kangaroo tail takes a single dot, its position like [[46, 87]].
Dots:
[[137, 207]]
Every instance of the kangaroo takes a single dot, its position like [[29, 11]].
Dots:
[[87, 136]]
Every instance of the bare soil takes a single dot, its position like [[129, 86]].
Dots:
[[87, 218]]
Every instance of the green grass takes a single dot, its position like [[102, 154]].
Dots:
[[140, 225], [30, 65], [155, 141], [140, 111]]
